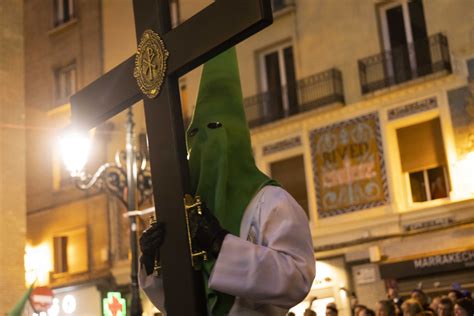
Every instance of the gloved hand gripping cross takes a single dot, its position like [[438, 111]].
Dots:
[[205, 230]]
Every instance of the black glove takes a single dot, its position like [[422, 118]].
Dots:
[[150, 243], [206, 231]]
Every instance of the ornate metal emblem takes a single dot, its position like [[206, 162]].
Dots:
[[150, 63]]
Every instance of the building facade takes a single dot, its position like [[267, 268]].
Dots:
[[12, 154], [362, 110], [69, 232]]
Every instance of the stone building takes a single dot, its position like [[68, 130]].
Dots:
[[12, 154], [361, 109], [67, 230]]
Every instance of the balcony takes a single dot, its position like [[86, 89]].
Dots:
[[278, 5], [404, 63], [306, 94]]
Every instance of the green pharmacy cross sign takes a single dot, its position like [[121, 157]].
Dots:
[[114, 305]]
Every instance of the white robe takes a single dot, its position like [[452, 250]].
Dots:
[[269, 268]]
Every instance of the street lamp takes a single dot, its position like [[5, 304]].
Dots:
[[129, 174]]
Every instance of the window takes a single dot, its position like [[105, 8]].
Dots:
[[290, 173], [424, 161], [405, 40], [60, 254], [65, 83], [64, 11], [470, 69], [428, 184], [279, 83], [71, 252]]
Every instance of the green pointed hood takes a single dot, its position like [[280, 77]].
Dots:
[[17, 310], [222, 167]]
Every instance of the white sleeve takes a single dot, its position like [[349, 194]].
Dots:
[[281, 269], [153, 288]]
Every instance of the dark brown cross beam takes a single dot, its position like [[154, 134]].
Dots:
[[215, 29]]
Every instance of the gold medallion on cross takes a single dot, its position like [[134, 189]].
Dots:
[[150, 63]]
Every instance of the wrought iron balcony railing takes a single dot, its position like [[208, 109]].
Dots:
[[306, 94], [420, 58]]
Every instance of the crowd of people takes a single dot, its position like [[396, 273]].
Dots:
[[453, 303]]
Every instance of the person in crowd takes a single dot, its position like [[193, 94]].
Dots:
[[367, 312], [467, 293], [421, 297], [309, 312], [454, 295], [362, 310], [435, 302], [358, 308], [411, 307], [445, 307], [464, 307], [385, 308], [331, 310], [392, 294]]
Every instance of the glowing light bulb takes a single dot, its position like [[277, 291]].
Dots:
[[74, 148]]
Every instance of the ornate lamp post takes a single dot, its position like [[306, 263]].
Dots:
[[130, 175]]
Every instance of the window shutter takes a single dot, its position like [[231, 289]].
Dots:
[[290, 173], [421, 146], [60, 254]]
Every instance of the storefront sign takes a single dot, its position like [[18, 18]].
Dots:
[[437, 222], [365, 275], [348, 166], [114, 305], [427, 265], [461, 108], [69, 304], [412, 108]]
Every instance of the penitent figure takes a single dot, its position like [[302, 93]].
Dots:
[[260, 249]]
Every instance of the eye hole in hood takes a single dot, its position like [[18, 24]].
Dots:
[[214, 125], [193, 132]]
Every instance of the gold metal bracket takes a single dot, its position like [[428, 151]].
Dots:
[[157, 264], [197, 256], [194, 205]]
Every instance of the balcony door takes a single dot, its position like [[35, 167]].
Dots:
[[279, 83], [405, 40]]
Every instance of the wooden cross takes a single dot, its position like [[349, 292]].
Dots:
[[173, 53]]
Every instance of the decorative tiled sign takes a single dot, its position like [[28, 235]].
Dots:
[[348, 166], [412, 108], [461, 107], [282, 145]]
